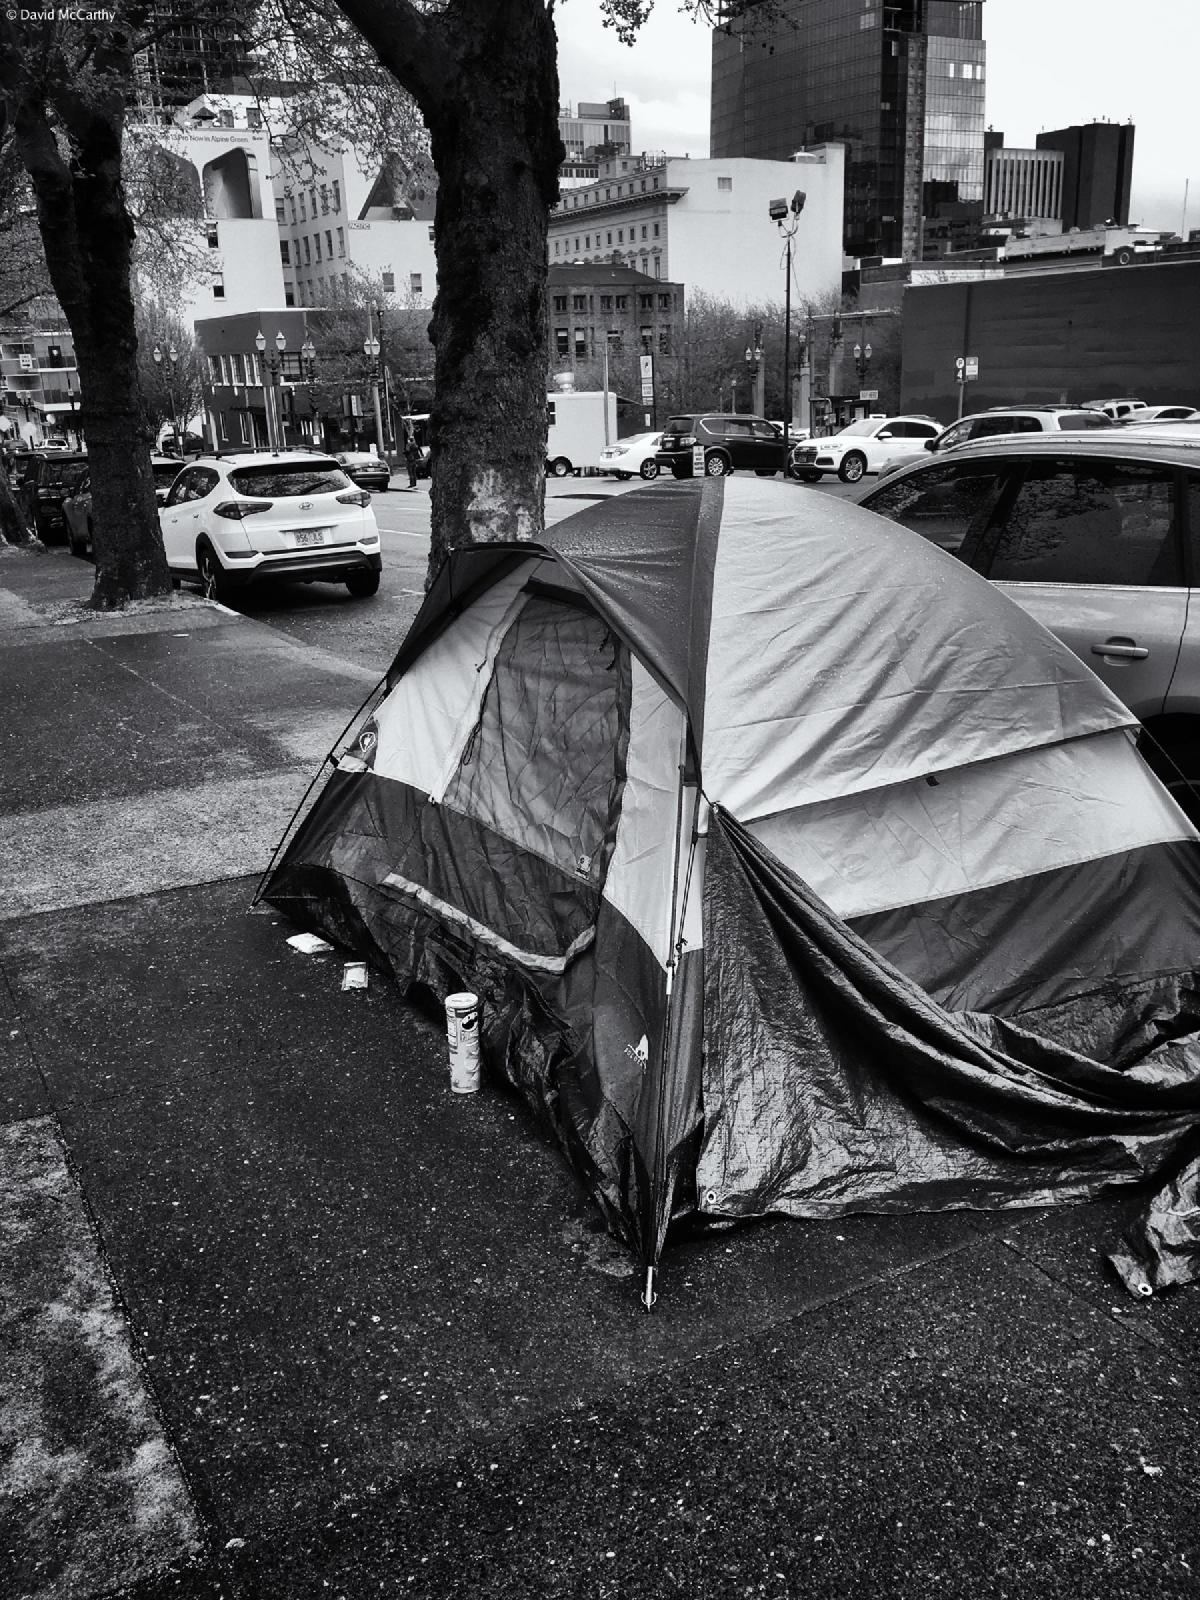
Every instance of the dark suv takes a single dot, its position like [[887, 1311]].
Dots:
[[728, 441], [51, 476]]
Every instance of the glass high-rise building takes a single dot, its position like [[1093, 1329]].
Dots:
[[900, 82]]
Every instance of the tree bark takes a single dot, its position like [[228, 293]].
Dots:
[[88, 239], [13, 527], [485, 76]]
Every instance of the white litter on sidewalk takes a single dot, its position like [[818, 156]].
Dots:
[[309, 944], [354, 975]]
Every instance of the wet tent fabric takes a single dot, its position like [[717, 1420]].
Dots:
[[930, 828]]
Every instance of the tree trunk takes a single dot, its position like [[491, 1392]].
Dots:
[[88, 239], [13, 527], [485, 76]]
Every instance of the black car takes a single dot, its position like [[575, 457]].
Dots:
[[366, 470], [729, 442], [49, 479]]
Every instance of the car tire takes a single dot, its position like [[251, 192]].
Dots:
[[560, 467], [621, 477], [853, 466], [1170, 747], [716, 465], [213, 584], [810, 477], [362, 585], [765, 472], [680, 472], [649, 470]]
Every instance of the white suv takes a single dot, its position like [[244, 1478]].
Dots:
[[1000, 420], [237, 520], [865, 446]]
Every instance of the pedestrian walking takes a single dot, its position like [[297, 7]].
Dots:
[[412, 454]]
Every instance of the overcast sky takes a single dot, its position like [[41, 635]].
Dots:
[[1050, 63]]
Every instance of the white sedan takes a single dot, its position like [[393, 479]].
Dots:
[[635, 454], [233, 521], [864, 446]]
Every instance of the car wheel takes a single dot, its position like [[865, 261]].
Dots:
[[716, 465], [212, 575], [560, 466], [765, 472], [362, 585], [853, 466], [649, 469], [809, 477], [622, 476], [680, 472], [1171, 749]]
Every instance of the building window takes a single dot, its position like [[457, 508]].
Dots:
[[307, 251], [560, 302], [341, 233], [253, 117], [645, 302], [579, 302], [303, 212], [389, 283], [576, 246], [620, 235], [239, 370], [562, 341], [656, 230], [285, 252], [225, 119], [556, 245], [657, 267], [606, 302], [608, 237], [643, 230], [279, 213], [581, 344], [317, 246], [664, 341], [289, 295], [218, 290], [337, 195], [414, 283], [213, 241], [226, 379], [587, 241], [312, 200], [664, 302], [292, 200], [328, 245], [324, 199], [622, 302], [725, 183]]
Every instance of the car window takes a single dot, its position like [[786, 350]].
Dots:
[[678, 425], [1090, 522], [181, 489], [944, 503], [958, 434], [204, 481], [1084, 419], [737, 430], [284, 480], [764, 430], [164, 474]]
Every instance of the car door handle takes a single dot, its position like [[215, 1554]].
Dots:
[[1121, 649]]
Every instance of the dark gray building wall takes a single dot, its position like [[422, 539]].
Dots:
[[1069, 336], [1097, 171]]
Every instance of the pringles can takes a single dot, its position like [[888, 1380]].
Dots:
[[462, 1035]]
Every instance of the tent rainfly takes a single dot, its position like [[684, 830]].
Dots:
[[798, 870]]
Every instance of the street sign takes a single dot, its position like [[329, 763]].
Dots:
[[647, 390], [960, 362], [698, 461], [972, 367], [868, 394], [646, 365]]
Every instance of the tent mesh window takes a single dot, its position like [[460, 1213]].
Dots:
[[544, 765]]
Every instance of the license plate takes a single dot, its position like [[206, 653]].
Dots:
[[309, 536]]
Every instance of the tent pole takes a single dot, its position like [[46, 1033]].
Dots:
[[648, 1294]]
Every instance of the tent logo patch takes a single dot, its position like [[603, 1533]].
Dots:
[[639, 1052], [367, 740]]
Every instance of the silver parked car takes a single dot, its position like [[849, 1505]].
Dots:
[[1096, 535]]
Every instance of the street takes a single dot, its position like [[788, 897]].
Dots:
[[367, 632]]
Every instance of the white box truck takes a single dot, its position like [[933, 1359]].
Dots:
[[575, 432]]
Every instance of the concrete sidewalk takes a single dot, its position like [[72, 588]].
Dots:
[[282, 1317]]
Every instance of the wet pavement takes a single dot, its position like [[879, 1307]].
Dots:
[[373, 1329]]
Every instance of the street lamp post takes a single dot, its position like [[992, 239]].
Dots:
[[308, 360], [272, 407], [862, 361], [371, 349], [756, 375], [168, 373], [786, 215]]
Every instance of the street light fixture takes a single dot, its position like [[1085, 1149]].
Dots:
[[308, 359], [755, 376], [786, 216], [272, 407], [371, 349], [168, 373]]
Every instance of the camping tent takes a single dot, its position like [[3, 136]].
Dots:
[[797, 868]]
